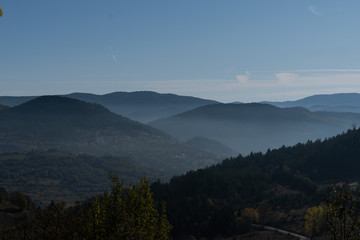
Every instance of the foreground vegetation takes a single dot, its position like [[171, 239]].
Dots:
[[125, 213], [338, 217]]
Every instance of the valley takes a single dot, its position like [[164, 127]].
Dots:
[[63, 149]]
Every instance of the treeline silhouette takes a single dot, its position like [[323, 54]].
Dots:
[[210, 201]]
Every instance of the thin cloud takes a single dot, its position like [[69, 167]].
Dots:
[[242, 79], [314, 10], [286, 78], [114, 57]]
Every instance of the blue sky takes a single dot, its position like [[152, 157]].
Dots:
[[229, 50]]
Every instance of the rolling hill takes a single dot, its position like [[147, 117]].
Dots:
[[54, 175], [255, 127], [143, 106], [341, 102], [54, 122]]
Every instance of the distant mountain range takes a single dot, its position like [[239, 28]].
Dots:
[[146, 106], [225, 127], [143, 106], [341, 102], [256, 127], [78, 127]]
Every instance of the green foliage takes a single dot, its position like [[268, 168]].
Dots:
[[339, 216], [126, 213], [343, 212]]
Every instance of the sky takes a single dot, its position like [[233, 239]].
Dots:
[[225, 50]]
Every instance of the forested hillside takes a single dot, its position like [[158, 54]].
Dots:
[[54, 175], [211, 201], [53, 122], [212, 146]]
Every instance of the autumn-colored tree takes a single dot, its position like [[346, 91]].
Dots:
[[250, 215], [315, 220]]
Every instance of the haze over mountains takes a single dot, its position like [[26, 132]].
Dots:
[[143, 106], [78, 127], [255, 127], [341, 102], [146, 106], [62, 148]]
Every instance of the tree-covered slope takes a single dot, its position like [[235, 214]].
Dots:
[[75, 126], [54, 175], [212, 146], [280, 180]]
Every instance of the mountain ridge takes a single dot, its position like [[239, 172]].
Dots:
[[255, 126], [75, 126], [143, 106], [338, 102]]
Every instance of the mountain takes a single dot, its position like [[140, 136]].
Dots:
[[280, 184], [142, 106], [255, 127], [13, 101], [2, 107], [54, 175], [212, 146], [54, 122], [341, 102]]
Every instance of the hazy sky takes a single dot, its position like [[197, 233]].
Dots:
[[227, 50]]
